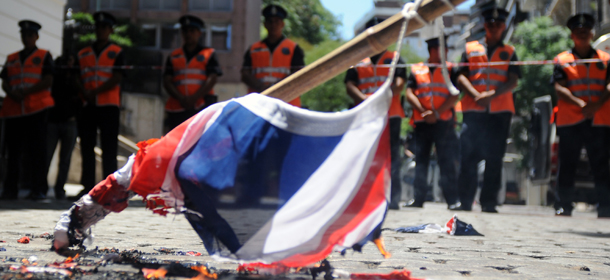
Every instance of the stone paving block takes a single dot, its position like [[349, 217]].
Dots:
[[521, 242]]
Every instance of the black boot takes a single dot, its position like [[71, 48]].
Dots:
[[413, 203]]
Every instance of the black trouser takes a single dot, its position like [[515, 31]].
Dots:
[[176, 118], [65, 133], [483, 137], [106, 118], [26, 146], [395, 123], [442, 135], [596, 142]]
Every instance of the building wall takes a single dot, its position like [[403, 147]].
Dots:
[[49, 13]]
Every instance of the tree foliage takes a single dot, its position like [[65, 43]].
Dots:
[[85, 26], [309, 20], [538, 39], [331, 95]]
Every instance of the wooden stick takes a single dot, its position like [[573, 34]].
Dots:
[[370, 42]]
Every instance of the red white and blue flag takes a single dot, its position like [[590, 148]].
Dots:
[[263, 181]]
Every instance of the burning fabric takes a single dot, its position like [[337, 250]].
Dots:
[[259, 180]]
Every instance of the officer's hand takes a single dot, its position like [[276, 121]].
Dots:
[[429, 117], [590, 109], [89, 96], [16, 95], [186, 103], [484, 99]]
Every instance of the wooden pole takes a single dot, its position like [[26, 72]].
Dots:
[[370, 42]]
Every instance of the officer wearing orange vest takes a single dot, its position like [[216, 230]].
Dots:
[[488, 107], [276, 57], [433, 115], [100, 78], [363, 80], [583, 116], [26, 79], [190, 74]]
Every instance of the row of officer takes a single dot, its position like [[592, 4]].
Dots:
[[487, 107], [27, 77], [361, 81], [583, 116], [190, 75]]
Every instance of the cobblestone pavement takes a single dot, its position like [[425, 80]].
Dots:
[[519, 242]]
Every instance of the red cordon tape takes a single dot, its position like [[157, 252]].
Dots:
[[530, 62]]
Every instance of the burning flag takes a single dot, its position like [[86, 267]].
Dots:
[[258, 179]]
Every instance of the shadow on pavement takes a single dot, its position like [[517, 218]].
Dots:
[[597, 234]]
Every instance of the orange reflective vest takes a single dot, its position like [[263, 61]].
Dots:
[[587, 82], [22, 76], [189, 76], [95, 71], [371, 77], [488, 77], [431, 90], [271, 68]]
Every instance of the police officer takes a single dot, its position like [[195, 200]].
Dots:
[[100, 77], [190, 74], [363, 80], [26, 79], [274, 58], [433, 115], [583, 115], [488, 108]]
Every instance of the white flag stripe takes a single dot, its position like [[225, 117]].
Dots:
[[311, 208], [191, 135], [365, 227]]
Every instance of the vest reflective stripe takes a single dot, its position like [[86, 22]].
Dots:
[[270, 80], [95, 78], [371, 77], [22, 85], [370, 90], [431, 90], [490, 71], [189, 76], [371, 80], [270, 68], [95, 71], [190, 71], [107, 70], [426, 85], [22, 76], [492, 83], [586, 83], [488, 77], [189, 82], [433, 93], [585, 93]]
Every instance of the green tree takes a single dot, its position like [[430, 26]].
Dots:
[[331, 95], [85, 26], [538, 39], [308, 19]]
